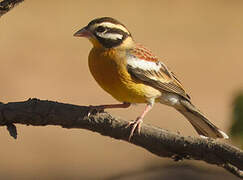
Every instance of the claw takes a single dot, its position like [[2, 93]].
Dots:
[[135, 125]]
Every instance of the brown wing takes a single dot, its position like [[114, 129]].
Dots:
[[145, 67]]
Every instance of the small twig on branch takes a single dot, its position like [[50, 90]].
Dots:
[[160, 142], [7, 5]]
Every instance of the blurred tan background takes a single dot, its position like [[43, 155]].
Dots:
[[201, 41]]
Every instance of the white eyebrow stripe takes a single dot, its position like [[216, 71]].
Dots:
[[113, 36], [142, 64], [111, 25]]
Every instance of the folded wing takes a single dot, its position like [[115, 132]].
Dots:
[[145, 67]]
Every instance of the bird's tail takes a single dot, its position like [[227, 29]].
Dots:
[[201, 124]]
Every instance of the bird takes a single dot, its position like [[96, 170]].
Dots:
[[132, 74]]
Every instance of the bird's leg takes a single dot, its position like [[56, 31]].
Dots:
[[137, 123], [108, 106]]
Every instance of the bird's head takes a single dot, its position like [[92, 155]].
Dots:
[[106, 32]]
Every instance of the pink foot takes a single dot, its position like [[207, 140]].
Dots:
[[135, 125]]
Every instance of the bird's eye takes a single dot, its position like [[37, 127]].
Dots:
[[100, 29]]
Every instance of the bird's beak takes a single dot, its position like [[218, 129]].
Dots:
[[83, 33]]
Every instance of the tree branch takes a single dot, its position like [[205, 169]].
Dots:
[[7, 5], [160, 142]]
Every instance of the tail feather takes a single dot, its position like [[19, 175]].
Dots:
[[201, 124]]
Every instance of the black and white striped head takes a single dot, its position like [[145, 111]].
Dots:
[[105, 31]]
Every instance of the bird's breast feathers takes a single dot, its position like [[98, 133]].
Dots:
[[109, 68], [133, 75]]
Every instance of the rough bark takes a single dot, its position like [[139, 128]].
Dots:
[[7, 5], [158, 141]]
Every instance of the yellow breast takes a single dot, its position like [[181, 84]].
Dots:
[[108, 67]]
